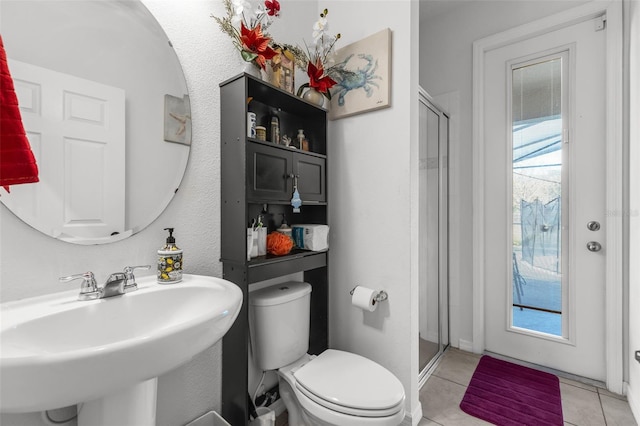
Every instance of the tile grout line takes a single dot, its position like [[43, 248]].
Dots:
[[433, 421], [595, 389], [604, 416], [452, 381]]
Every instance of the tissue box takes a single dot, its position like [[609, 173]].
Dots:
[[311, 237]]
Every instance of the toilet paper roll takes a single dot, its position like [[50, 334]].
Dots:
[[364, 298]]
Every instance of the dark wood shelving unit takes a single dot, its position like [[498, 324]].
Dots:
[[258, 175]]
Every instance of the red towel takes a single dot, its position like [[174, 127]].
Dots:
[[17, 163]]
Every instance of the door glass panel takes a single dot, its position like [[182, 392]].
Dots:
[[537, 188]]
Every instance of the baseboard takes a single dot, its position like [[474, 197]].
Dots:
[[465, 345], [634, 402], [414, 418]]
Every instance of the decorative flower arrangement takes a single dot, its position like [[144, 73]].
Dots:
[[251, 39], [318, 57]]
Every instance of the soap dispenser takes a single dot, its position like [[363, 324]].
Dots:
[[169, 261]]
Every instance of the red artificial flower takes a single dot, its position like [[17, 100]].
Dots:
[[316, 79], [273, 7], [254, 42]]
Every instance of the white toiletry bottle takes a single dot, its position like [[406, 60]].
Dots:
[[300, 138], [275, 129], [169, 261]]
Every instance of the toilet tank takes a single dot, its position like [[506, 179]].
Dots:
[[279, 323]]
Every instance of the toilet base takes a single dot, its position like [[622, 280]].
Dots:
[[296, 416]]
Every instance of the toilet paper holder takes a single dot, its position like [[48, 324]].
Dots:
[[380, 297]]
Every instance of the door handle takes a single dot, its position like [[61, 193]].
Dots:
[[594, 246], [593, 225]]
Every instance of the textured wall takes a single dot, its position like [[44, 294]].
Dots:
[[30, 262]]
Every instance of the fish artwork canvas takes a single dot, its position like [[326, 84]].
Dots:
[[362, 71]]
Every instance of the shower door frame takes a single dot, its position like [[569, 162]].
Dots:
[[443, 230]]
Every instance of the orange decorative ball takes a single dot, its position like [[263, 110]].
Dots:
[[279, 244]]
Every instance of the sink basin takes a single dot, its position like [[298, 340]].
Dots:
[[57, 351]]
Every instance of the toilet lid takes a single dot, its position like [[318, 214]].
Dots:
[[349, 380]]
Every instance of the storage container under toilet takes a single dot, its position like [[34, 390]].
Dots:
[[333, 388]]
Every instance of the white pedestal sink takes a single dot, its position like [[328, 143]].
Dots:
[[56, 351]]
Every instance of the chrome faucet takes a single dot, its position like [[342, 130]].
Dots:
[[88, 288], [114, 285], [117, 283], [130, 279]]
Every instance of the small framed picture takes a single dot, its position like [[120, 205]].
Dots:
[[281, 70], [365, 83], [177, 119]]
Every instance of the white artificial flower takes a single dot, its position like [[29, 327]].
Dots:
[[239, 7], [328, 41], [260, 10], [320, 28], [262, 16]]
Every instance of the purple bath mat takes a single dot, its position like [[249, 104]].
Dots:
[[507, 394]]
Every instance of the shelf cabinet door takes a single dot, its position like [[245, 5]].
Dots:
[[268, 173], [311, 177]]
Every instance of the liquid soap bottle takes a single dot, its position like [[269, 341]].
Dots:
[[169, 261]]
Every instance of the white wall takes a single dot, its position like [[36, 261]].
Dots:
[[30, 262], [370, 188], [633, 391], [447, 32]]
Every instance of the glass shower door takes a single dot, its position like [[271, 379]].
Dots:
[[433, 234]]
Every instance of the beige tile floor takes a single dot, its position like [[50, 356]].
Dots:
[[582, 405]]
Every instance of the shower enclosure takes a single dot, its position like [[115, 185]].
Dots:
[[433, 234]]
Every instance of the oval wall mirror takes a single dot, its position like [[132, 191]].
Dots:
[[106, 109]]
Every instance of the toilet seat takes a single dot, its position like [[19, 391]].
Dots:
[[350, 384]]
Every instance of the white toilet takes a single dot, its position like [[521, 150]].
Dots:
[[333, 388]]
